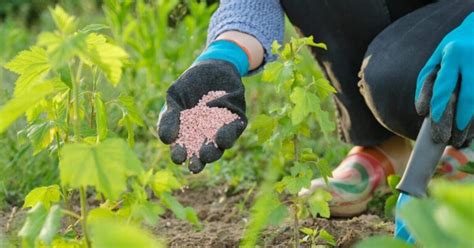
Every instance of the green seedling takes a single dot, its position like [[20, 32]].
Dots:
[[315, 236], [391, 201], [285, 131]]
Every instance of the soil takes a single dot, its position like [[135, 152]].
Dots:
[[223, 224], [224, 217], [10, 222]]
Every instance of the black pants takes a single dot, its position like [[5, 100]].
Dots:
[[375, 50]]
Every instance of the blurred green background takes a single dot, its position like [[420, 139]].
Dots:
[[162, 38]]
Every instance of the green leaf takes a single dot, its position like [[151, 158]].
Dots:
[[272, 71], [455, 225], [130, 109], [383, 241], [28, 60], [119, 234], [295, 184], [51, 225], [41, 135], [31, 65], [318, 203], [324, 169], [61, 49], [301, 169], [275, 47], [264, 125], [183, 213], [33, 113], [65, 76], [100, 117], [301, 175], [325, 122], [326, 236], [310, 42], [105, 166], [101, 214], [419, 217], [307, 155], [21, 103], [66, 243], [64, 22], [287, 77], [107, 56], [146, 177], [46, 195], [280, 186], [286, 52], [393, 181], [307, 231], [35, 219], [457, 196], [323, 88], [389, 206], [278, 214], [146, 211], [192, 217], [304, 101], [287, 149], [164, 181], [128, 123], [93, 28], [455, 214]]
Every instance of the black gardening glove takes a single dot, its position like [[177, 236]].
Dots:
[[197, 81]]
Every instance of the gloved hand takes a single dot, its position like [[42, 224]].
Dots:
[[401, 231], [219, 68], [445, 86]]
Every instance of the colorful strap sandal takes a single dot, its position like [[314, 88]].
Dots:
[[454, 161], [355, 180]]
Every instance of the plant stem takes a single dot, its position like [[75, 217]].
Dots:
[[71, 213], [296, 149], [75, 104], [68, 107], [67, 202], [77, 138], [94, 86], [83, 198], [296, 231], [58, 142]]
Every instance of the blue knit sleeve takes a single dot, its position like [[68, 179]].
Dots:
[[263, 19]]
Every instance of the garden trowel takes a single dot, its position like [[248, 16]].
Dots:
[[422, 163]]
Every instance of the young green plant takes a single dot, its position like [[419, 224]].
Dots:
[[285, 131]]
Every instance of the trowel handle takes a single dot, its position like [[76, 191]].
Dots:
[[422, 163]]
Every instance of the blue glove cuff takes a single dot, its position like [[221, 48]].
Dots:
[[401, 231], [227, 51]]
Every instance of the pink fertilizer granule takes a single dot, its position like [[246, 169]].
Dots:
[[199, 125]]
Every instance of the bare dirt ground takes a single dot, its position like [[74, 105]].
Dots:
[[224, 222], [10, 222]]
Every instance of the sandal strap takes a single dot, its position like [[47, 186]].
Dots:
[[377, 155], [456, 154], [452, 160]]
